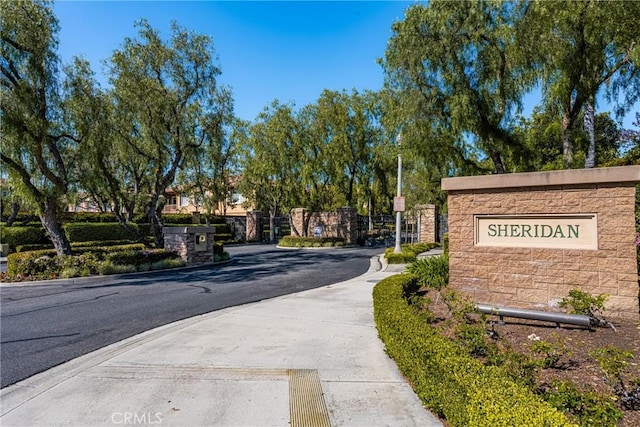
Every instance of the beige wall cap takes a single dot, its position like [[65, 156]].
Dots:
[[542, 179]]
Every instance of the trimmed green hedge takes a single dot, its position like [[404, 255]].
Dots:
[[15, 236], [409, 252], [455, 386], [45, 264], [138, 256], [89, 232], [66, 217], [310, 242]]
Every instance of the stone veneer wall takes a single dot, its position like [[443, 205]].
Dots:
[[535, 277], [341, 223], [254, 226], [427, 217], [182, 241]]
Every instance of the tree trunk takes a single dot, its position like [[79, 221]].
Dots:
[[155, 222], [567, 143], [497, 160], [305, 223], [55, 230], [272, 224], [590, 160], [15, 210], [292, 226]]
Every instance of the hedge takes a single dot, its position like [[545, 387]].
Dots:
[[409, 252], [138, 256], [452, 384], [15, 236], [67, 217], [86, 232], [45, 264], [306, 242]]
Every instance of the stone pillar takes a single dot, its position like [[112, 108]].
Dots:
[[193, 244], [427, 227], [347, 224], [254, 226], [297, 219]]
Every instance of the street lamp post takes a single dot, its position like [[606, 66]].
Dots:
[[397, 204]]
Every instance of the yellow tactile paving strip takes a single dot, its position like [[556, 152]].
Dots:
[[306, 400]]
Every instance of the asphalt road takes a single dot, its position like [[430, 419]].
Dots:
[[42, 326]]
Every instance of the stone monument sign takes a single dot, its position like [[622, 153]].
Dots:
[[525, 240]]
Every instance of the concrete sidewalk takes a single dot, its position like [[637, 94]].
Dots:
[[307, 359]]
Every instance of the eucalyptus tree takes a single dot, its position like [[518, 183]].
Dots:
[[271, 159], [38, 147], [111, 175], [164, 89], [460, 76], [585, 48], [349, 128], [207, 175]]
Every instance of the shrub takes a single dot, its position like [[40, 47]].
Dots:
[[401, 258], [451, 383], [139, 257], [91, 232], [590, 409], [34, 264], [33, 247], [102, 243], [218, 248], [167, 263], [445, 243], [15, 236], [580, 302], [178, 219], [68, 217], [107, 267], [305, 242], [432, 272]]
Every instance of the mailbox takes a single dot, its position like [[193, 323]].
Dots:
[[200, 242]]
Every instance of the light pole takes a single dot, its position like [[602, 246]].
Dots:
[[398, 203]]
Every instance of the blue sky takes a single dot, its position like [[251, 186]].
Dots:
[[267, 50]]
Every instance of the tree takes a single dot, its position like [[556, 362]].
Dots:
[[38, 147], [271, 162], [164, 90], [585, 47], [349, 128], [206, 176], [113, 177], [459, 75]]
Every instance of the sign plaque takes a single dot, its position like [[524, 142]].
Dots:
[[398, 204], [554, 231]]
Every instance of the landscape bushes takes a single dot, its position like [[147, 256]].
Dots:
[[307, 242], [449, 381], [15, 236], [409, 252], [45, 264], [85, 232]]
